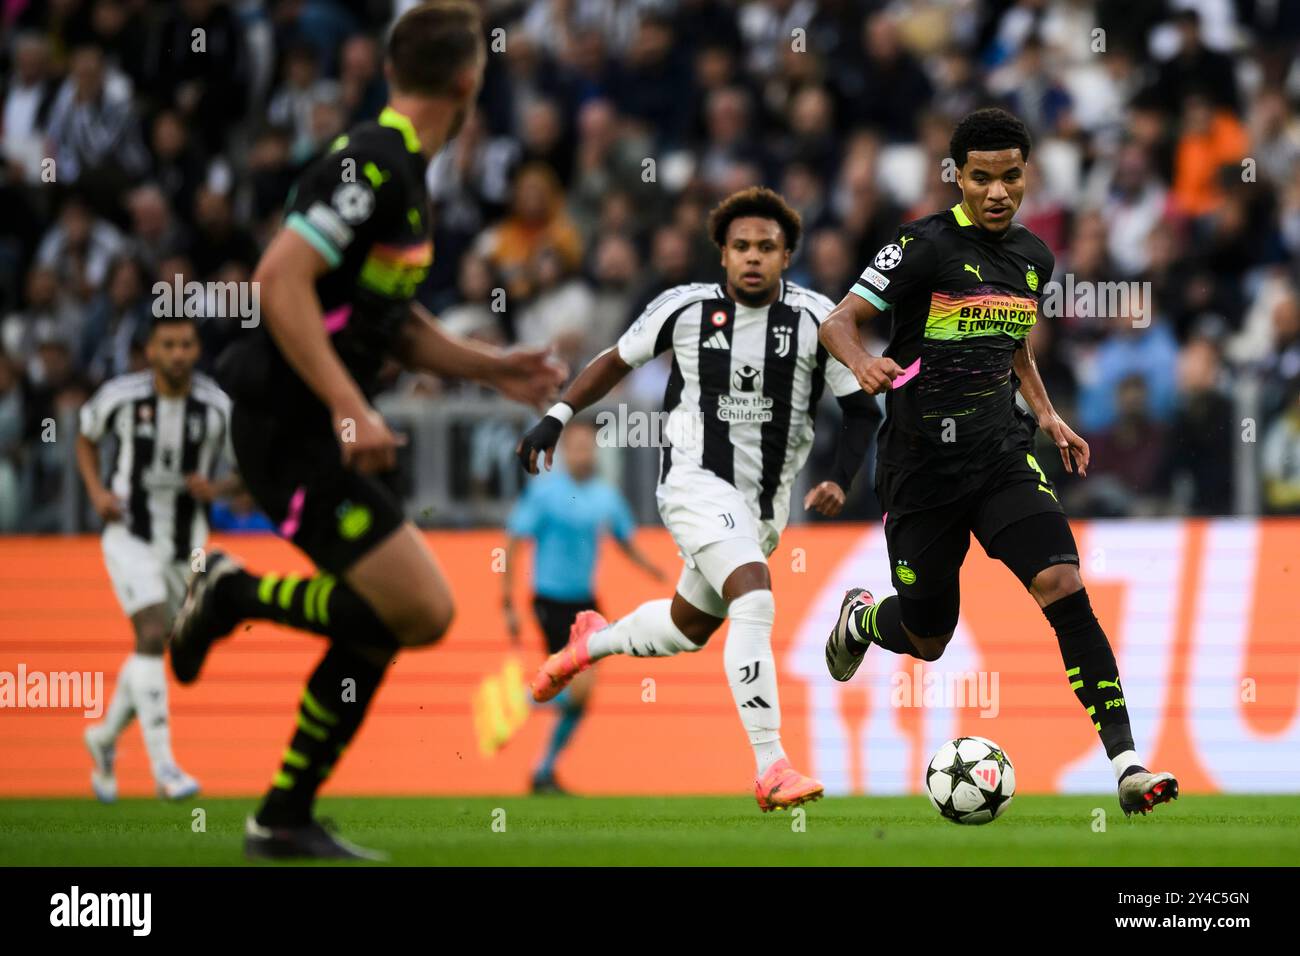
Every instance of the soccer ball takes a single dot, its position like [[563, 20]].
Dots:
[[970, 780]]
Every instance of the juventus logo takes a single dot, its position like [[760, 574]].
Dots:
[[728, 522], [783, 334], [749, 673]]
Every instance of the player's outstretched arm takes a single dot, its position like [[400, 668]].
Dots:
[[1035, 394], [286, 276], [839, 333], [527, 375], [592, 384]]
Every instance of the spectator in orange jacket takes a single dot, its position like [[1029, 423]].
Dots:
[[1211, 138], [537, 224]]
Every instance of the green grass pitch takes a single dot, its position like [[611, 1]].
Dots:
[[648, 831]]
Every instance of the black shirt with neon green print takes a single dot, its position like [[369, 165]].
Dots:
[[363, 206], [963, 299]]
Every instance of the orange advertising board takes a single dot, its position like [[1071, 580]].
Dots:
[[1204, 617]]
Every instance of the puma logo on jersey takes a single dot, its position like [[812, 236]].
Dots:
[[904, 240], [976, 270], [376, 175], [1109, 683]]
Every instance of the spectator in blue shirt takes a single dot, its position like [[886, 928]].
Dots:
[[565, 513], [1148, 351]]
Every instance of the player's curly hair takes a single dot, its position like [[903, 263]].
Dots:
[[988, 129], [756, 201]]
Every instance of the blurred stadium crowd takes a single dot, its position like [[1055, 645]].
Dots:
[[1167, 150]]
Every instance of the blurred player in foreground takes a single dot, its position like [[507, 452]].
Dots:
[[741, 399], [337, 283], [170, 425], [956, 452], [566, 513]]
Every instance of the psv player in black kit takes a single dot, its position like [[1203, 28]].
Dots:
[[336, 285], [956, 452]]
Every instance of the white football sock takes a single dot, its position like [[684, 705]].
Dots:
[[648, 631], [1122, 761], [751, 673], [767, 754], [149, 692], [120, 709]]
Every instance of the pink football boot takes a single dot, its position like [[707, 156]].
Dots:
[[570, 661], [783, 787]]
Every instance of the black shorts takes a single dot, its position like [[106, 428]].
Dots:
[[295, 473], [928, 545], [556, 617]]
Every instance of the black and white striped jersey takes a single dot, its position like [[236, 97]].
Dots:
[[160, 441], [744, 387]]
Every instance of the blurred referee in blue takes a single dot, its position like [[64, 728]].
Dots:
[[565, 513]]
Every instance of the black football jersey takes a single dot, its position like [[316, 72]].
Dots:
[[963, 301], [363, 206]]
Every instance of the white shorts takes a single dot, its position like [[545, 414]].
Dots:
[[142, 574], [715, 531]]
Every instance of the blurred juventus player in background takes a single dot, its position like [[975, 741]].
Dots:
[[170, 425], [747, 375]]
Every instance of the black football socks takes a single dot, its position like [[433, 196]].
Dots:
[[321, 604], [1091, 669], [331, 709], [882, 624]]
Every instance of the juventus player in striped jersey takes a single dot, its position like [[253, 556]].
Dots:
[[746, 378], [170, 425]]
